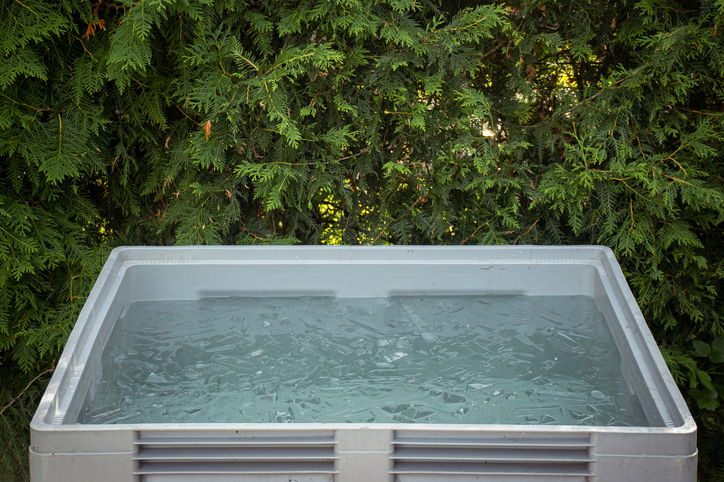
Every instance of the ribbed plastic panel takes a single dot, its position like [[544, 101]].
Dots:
[[256, 458], [520, 459]]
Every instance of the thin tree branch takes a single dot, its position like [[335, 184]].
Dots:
[[185, 115], [30, 106], [699, 112], [26, 389], [421, 198], [491, 51], [363, 151], [595, 95], [528, 231], [344, 231], [474, 233], [252, 234]]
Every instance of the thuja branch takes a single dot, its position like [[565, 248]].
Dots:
[[29, 106], [595, 95], [528, 231], [26, 389], [363, 151], [700, 112], [474, 233], [421, 198], [245, 230]]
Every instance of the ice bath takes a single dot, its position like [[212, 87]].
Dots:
[[359, 364]]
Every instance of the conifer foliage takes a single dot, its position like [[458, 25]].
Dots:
[[359, 122]]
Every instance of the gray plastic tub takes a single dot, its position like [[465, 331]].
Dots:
[[64, 450]]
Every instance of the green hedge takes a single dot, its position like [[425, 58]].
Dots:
[[360, 122]]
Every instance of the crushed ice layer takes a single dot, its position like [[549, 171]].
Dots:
[[455, 359]]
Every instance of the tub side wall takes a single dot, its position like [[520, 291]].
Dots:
[[644, 361], [357, 279]]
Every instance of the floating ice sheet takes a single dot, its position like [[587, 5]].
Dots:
[[455, 359]]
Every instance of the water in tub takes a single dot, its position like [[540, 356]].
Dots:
[[455, 359]]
